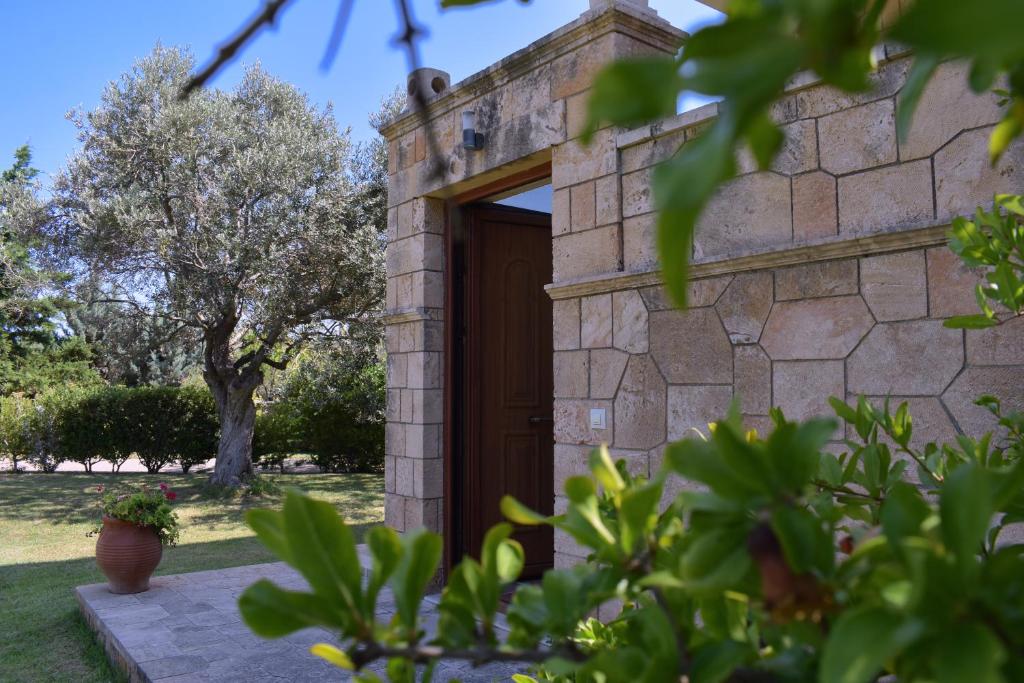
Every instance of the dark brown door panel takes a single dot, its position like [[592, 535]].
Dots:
[[508, 355]]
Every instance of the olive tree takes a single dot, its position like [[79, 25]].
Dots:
[[230, 213]]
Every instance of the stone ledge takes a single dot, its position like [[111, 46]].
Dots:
[[406, 315], [824, 250]]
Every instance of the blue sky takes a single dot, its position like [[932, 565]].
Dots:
[[59, 54]]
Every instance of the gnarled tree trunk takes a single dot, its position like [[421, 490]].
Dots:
[[232, 391], [237, 421]]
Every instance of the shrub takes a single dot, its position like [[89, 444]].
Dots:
[[332, 406], [159, 424], [15, 412], [344, 430], [277, 435], [84, 427], [43, 430], [195, 439]]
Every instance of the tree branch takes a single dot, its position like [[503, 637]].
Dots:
[[410, 32], [337, 33], [228, 50]]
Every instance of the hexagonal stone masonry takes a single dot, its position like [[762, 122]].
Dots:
[[886, 198], [965, 178], [571, 374], [691, 347], [566, 325], [1001, 345], [640, 405], [814, 206], [917, 357], [572, 422], [700, 293], [693, 407], [816, 328], [798, 154], [606, 366], [745, 305], [596, 321], [894, 285], [950, 284], [1005, 383], [802, 388], [945, 108], [753, 383], [629, 322]]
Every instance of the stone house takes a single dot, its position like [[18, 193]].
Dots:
[[518, 338]]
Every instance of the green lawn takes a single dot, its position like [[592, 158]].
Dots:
[[45, 553]]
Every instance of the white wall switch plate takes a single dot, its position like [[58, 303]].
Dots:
[[597, 419]]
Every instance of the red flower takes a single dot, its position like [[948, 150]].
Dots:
[[846, 545], [170, 495], [163, 487]]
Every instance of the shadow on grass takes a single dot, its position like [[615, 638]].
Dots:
[[45, 638], [72, 498]]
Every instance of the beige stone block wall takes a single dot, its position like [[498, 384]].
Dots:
[[841, 174], [413, 465]]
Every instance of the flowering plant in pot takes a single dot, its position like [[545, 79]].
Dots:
[[137, 522]]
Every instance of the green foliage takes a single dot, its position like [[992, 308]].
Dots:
[[737, 581], [993, 240], [160, 425], [332, 406], [133, 349], [34, 353], [747, 61], [142, 505]]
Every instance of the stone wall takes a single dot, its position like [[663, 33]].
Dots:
[[828, 277], [530, 108]]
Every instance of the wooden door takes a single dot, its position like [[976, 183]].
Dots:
[[509, 386]]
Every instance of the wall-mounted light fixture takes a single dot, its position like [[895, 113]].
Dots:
[[470, 138]]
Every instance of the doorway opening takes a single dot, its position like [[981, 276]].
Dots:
[[499, 417]]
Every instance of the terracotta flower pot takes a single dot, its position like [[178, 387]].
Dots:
[[128, 555]]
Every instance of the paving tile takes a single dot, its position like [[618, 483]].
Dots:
[[187, 629], [173, 666]]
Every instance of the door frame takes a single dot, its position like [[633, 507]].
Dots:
[[453, 428]]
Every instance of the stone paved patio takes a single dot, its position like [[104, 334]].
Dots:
[[187, 627]]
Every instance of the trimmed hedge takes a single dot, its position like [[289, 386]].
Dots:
[[160, 425], [338, 421]]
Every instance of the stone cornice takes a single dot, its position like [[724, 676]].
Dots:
[[621, 19], [405, 315], [777, 258]]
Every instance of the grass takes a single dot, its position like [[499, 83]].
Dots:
[[45, 553]]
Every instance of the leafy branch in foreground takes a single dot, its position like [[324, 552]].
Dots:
[[993, 240], [789, 564]]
